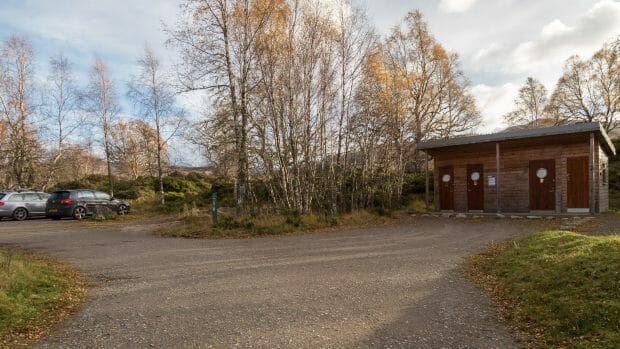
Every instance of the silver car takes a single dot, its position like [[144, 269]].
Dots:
[[20, 205]]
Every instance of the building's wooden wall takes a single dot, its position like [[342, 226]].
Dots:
[[603, 176], [513, 179], [460, 161]]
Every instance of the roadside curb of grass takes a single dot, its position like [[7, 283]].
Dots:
[[383, 222], [554, 288], [506, 309], [50, 315]]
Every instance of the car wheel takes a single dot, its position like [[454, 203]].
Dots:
[[122, 210], [79, 213], [20, 214]]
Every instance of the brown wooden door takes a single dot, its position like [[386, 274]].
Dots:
[[446, 188], [542, 185], [578, 182], [475, 187]]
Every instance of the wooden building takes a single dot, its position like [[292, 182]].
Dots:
[[562, 169]]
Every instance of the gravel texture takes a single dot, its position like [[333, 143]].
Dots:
[[391, 286]]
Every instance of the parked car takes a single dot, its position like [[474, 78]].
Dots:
[[79, 203], [22, 204]]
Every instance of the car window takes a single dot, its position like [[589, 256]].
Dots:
[[44, 196], [60, 195], [2, 195], [16, 197], [86, 195], [102, 196], [31, 197]]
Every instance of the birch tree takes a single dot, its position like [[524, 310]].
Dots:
[[154, 96], [216, 38], [135, 149], [61, 100], [530, 105], [589, 90], [333, 115], [101, 102], [17, 88]]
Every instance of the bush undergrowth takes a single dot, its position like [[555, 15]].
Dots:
[[288, 222]]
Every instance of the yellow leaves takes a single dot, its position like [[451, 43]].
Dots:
[[135, 144], [439, 53], [272, 16], [375, 67], [384, 85], [259, 12]]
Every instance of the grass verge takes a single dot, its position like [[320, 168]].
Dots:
[[562, 289], [229, 227], [35, 294]]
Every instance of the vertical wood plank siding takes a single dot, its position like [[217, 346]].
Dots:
[[514, 174]]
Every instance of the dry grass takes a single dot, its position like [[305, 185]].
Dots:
[[268, 225]]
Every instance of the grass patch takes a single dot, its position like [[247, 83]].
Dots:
[[35, 294], [266, 225], [560, 288]]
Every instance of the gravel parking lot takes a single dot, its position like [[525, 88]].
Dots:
[[391, 286]]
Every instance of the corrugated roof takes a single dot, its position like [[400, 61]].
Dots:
[[522, 134]]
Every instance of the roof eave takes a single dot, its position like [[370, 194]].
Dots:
[[509, 136]]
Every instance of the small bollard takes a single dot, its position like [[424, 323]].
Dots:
[[214, 208]]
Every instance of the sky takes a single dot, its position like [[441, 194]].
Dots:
[[500, 42]]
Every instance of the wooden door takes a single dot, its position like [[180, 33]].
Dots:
[[446, 188], [542, 185], [578, 182], [475, 187]]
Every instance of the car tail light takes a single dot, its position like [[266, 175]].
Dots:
[[1, 203], [67, 201]]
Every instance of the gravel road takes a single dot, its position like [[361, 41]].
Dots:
[[391, 286]]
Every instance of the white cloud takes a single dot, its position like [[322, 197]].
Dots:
[[557, 41], [555, 28], [451, 6], [494, 102], [113, 27], [488, 53], [541, 56]]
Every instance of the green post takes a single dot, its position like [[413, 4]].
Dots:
[[214, 208]]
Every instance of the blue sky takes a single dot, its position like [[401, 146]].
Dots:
[[501, 42]]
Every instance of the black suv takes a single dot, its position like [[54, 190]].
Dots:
[[79, 203]]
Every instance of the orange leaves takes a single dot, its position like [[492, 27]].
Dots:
[[439, 53], [135, 147], [381, 88]]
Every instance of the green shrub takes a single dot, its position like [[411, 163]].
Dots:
[[292, 217], [381, 211], [231, 223], [415, 183], [174, 196]]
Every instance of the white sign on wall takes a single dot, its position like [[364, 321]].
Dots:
[[491, 181]]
